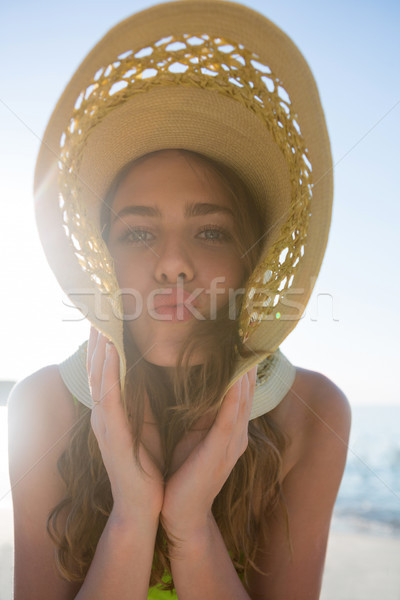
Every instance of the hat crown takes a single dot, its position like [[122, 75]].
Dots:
[[216, 78]]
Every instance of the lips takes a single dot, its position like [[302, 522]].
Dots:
[[173, 304], [172, 297]]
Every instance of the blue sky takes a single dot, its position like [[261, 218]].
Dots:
[[353, 50]]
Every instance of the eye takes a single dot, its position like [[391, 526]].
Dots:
[[136, 236], [215, 234]]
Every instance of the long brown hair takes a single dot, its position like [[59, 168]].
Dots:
[[177, 403]]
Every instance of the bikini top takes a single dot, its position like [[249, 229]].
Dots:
[[275, 377]]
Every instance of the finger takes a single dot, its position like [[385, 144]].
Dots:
[[231, 405], [116, 421], [246, 391], [240, 438], [91, 346], [246, 402], [254, 376], [252, 379], [110, 384], [109, 417], [96, 367], [228, 413], [96, 417], [97, 422], [111, 404], [244, 395]]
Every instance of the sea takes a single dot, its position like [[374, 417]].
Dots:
[[369, 495]]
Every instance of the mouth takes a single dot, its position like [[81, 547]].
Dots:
[[174, 297], [173, 313], [174, 304]]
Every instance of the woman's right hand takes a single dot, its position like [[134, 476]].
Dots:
[[134, 492]]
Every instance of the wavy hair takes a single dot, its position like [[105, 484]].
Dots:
[[252, 490]]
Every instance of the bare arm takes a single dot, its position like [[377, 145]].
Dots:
[[122, 564], [41, 416], [202, 568], [310, 489], [201, 564], [38, 434]]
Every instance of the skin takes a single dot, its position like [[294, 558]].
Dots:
[[161, 252], [153, 252], [314, 413]]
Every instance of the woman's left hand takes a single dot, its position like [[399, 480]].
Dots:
[[191, 490]]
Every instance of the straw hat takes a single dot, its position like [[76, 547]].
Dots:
[[210, 76]]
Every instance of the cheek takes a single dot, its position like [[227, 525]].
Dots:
[[236, 273], [231, 268], [130, 273], [221, 276], [132, 277]]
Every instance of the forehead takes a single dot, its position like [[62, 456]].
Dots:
[[171, 176]]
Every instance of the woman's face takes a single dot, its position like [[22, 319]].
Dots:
[[172, 238]]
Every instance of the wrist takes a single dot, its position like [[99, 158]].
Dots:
[[126, 518], [190, 528]]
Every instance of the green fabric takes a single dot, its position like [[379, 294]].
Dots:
[[156, 593]]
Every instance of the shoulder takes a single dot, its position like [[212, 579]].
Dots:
[[41, 416], [313, 398], [314, 412], [44, 377], [320, 399], [44, 387], [40, 413]]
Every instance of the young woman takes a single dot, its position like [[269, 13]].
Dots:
[[180, 447]]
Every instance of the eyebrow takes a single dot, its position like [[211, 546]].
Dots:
[[191, 210]]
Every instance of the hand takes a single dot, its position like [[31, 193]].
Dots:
[[191, 490], [133, 492]]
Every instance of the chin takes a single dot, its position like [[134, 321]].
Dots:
[[161, 361], [160, 343], [168, 358]]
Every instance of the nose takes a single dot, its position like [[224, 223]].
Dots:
[[174, 262]]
